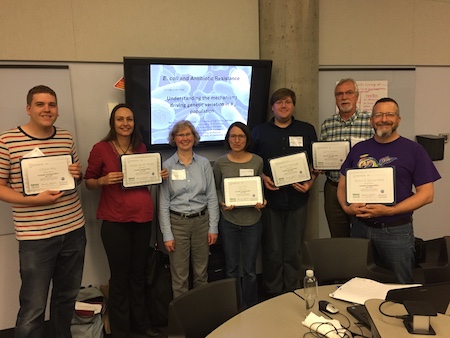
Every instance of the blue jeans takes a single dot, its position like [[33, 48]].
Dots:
[[393, 247], [241, 244], [58, 259]]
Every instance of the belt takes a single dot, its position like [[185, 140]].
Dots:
[[195, 214], [396, 223], [333, 183]]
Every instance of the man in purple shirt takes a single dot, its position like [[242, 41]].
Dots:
[[390, 227]]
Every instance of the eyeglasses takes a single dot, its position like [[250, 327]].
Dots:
[[381, 115], [347, 93], [184, 135], [240, 137]]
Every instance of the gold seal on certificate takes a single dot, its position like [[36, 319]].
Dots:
[[46, 173], [290, 169], [243, 191], [329, 155], [141, 169], [371, 185]]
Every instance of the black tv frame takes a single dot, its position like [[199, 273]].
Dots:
[[137, 90]]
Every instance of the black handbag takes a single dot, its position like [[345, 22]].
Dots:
[[158, 287]]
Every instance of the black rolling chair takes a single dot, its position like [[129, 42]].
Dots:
[[436, 268], [337, 260], [199, 311]]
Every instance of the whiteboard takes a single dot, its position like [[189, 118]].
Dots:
[[15, 82]]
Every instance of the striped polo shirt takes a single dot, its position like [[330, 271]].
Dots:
[[37, 221]]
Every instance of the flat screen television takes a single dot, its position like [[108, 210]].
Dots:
[[211, 93]]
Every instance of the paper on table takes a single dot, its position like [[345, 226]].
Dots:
[[358, 290]]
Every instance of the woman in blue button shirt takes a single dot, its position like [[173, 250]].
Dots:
[[188, 209]]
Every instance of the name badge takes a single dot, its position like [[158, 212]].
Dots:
[[296, 141], [246, 172], [178, 175]]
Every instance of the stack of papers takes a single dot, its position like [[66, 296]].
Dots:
[[358, 290]]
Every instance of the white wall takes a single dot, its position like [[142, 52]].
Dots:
[[432, 104], [99, 30], [384, 32]]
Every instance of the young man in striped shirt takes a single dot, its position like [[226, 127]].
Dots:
[[49, 226]]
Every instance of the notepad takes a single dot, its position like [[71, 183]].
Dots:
[[358, 290]]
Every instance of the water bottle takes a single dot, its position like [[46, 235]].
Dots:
[[311, 292]]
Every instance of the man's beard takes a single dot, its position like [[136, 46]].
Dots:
[[346, 108], [388, 133]]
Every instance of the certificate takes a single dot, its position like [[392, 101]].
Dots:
[[46, 173], [371, 185], [140, 169], [329, 155], [290, 169], [243, 191]]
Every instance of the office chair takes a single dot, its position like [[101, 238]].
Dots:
[[199, 311], [337, 260], [436, 269]]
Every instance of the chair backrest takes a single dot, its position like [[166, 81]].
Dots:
[[437, 269], [337, 260], [199, 311]]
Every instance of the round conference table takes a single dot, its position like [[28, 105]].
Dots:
[[282, 316]]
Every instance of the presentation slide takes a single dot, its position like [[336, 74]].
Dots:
[[210, 96]]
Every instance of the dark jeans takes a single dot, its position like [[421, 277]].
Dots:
[[241, 244], [59, 260], [393, 247], [282, 240], [127, 245]]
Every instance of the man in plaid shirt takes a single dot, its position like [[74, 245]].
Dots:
[[349, 124]]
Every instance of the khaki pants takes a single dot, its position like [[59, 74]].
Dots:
[[191, 245]]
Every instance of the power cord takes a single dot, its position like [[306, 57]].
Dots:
[[347, 327], [388, 315], [316, 334], [313, 332]]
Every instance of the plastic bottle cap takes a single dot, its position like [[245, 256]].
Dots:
[[309, 273]]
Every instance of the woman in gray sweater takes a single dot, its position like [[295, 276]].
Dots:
[[240, 228]]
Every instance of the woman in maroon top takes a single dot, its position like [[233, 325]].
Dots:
[[126, 226]]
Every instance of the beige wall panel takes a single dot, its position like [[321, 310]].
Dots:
[[96, 30], [36, 30], [431, 32], [357, 32], [199, 28]]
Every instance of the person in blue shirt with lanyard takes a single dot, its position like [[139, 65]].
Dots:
[[188, 209], [349, 124], [284, 218]]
